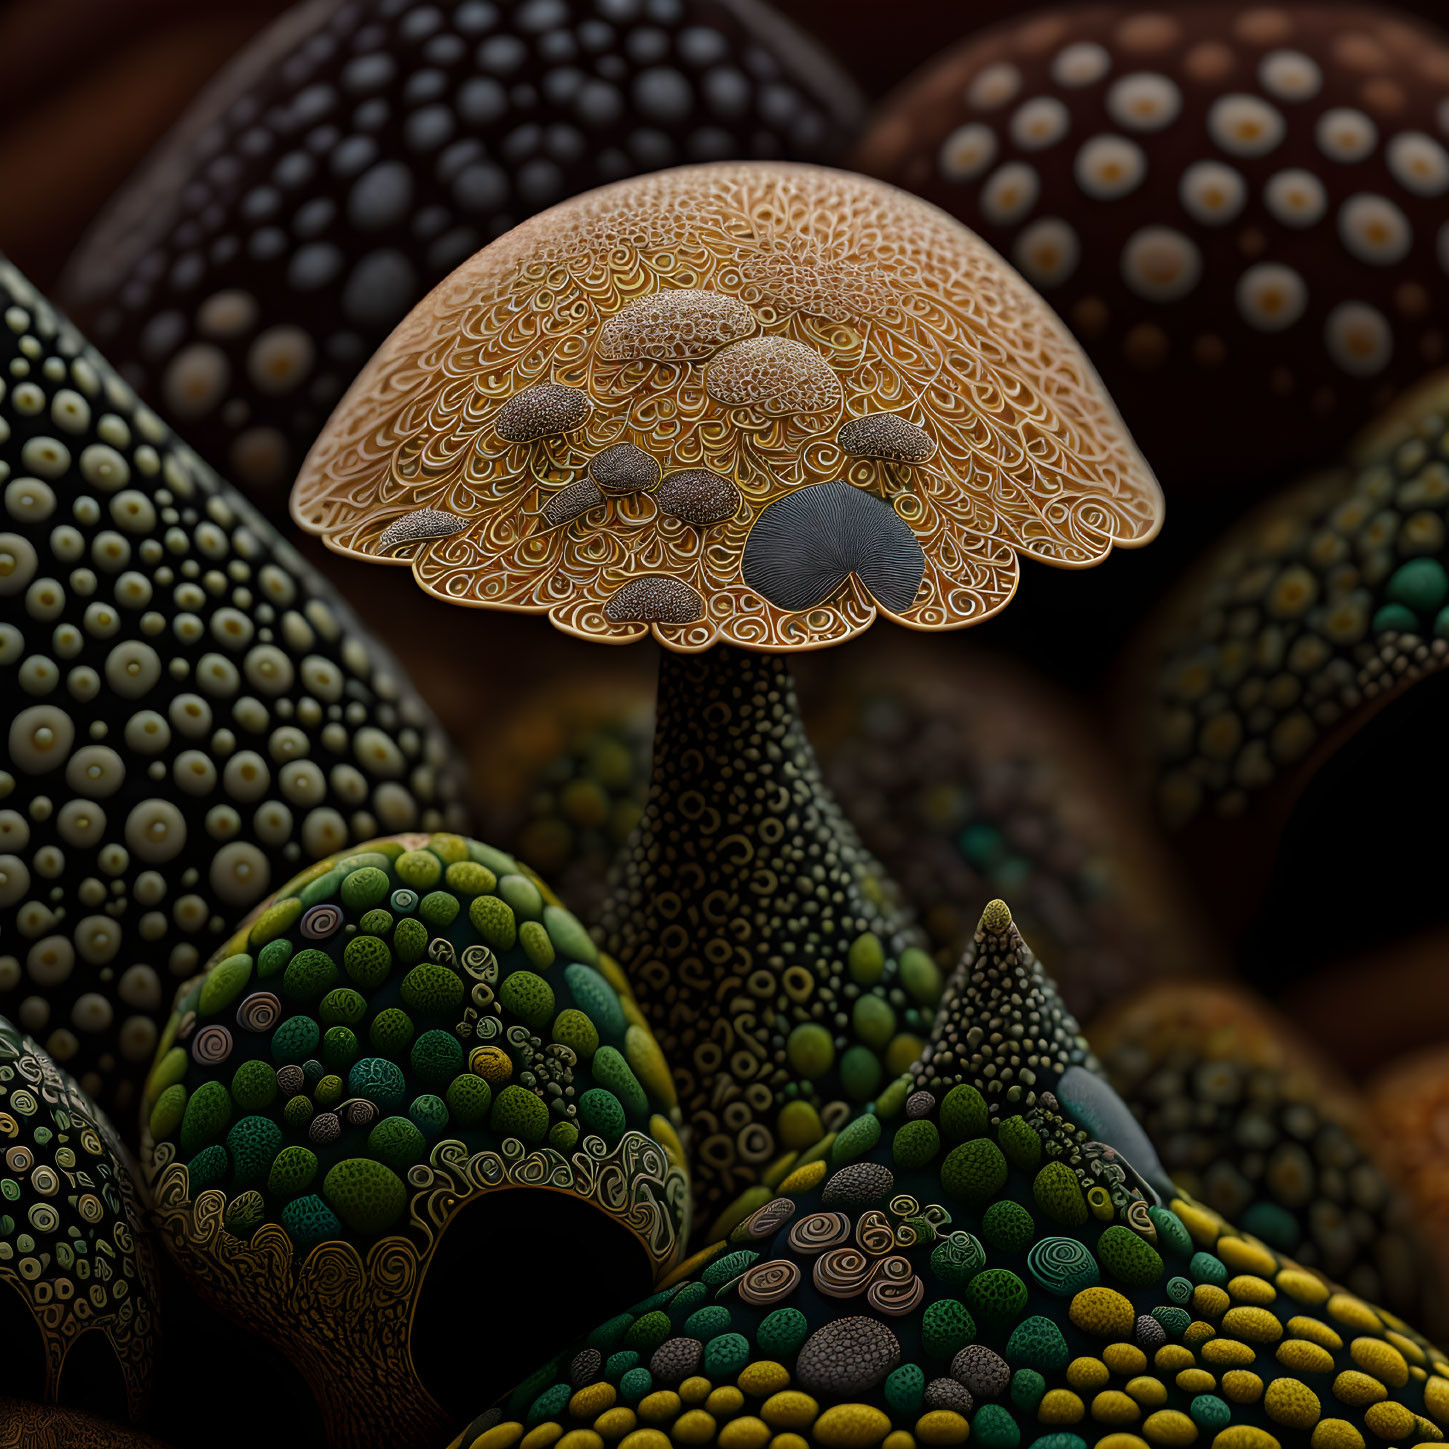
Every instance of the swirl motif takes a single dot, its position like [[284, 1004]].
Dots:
[[766, 1284], [321, 921], [873, 1232], [212, 1044], [904, 311], [895, 1288], [768, 1220], [819, 1231], [261, 1011], [842, 1272], [1063, 1266], [1140, 1220]]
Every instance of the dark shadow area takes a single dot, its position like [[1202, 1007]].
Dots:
[[22, 1363], [91, 1378], [218, 1385], [518, 1275], [1358, 865]]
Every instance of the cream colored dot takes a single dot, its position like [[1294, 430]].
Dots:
[[140, 987], [1010, 193], [396, 808], [91, 1012], [1245, 125], [268, 669], [1047, 252], [1160, 264], [48, 457], [246, 776], [994, 86], [1374, 230], [70, 411], [14, 830], [239, 874], [191, 716], [155, 831], [1289, 75], [1345, 135], [222, 822], [41, 738], [190, 912], [50, 961], [132, 669], [1359, 338], [1418, 163], [97, 938], [14, 879], [133, 512], [28, 500], [1295, 197], [303, 782], [81, 823], [194, 773], [195, 380], [1271, 297], [1212, 192], [1083, 63], [280, 359], [18, 562], [1040, 123], [95, 771], [323, 833], [1145, 101], [226, 314], [1109, 166], [44, 600]]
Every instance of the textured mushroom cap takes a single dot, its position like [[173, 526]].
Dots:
[[41, 1426], [867, 300], [1274, 1139], [1237, 208], [192, 711], [356, 152], [69, 1210], [958, 1279]]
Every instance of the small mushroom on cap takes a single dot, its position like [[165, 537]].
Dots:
[[1300, 629], [356, 152], [1239, 209], [763, 533]]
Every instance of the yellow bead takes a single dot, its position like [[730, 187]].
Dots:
[[1114, 1407], [725, 1400], [899, 1439], [851, 1426], [1103, 1312], [1355, 1313], [1315, 1331], [591, 1400], [1121, 1441], [1124, 1358], [1169, 1427], [1302, 1287], [788, 1441], [1406, 1346], [1304, 1357], [1389, 1420], [1256, 1325], [1173, 1356], [1150, 1392], [500, 1436], [1060, 1406], [1249, 1288], [790, 1410], [1244, 1436], [1242, 1387], [763, 1377], [747, 1432], [1196, 1381], [1380, 1359], [1202, 1224], [942, 1426], [645, 1439], [1228, 1352], [1242, 1256], [802, 1179], [1358, 1390], [1209, 1301], [1087, 1374], [1336, 1434], [615, 1423], [695, 1390], [541, 1436], [1197, 1333], [693, 1426], [660, 1405], [1436, 1399], [581, 1439], [1292, 1402]]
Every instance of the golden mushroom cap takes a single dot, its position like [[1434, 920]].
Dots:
[[855, 406]]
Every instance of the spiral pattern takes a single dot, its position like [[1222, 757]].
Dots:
[[321, 921], [819, 1231], [766, 1221], [261, 1011], [212, 1044], [843, 1272], [766, 1284], [895, 1289], [1063, 1266]]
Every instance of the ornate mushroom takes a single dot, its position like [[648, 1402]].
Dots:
[[1021, 1283], [195, 712], [355, 153], [743, 883], [1239, 209], [396, 1035]]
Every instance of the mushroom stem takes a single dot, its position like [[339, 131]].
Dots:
[[764, 944]]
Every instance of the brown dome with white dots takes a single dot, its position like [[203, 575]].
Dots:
[[192, 714], [1240, 211], [356, 153]]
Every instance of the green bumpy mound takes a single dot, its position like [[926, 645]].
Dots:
[[386, 1006]]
